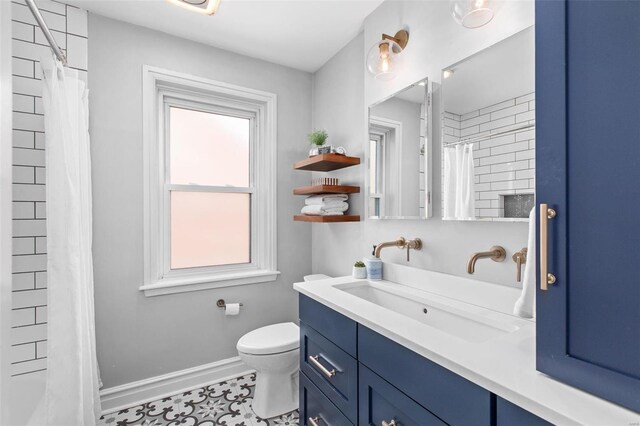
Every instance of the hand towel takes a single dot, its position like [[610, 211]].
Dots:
[[320, 210], [526, 305], [325, 198]]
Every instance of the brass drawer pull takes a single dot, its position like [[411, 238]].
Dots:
[[314, 421], [391, 423], [546, 278], [315, 360]]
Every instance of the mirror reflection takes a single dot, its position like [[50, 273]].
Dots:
[[399, 155], [488, 133]]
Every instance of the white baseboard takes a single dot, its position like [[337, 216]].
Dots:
[[136, 393]]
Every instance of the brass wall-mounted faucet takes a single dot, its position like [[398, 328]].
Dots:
[[401, 243], [495, 253], [520, 257]]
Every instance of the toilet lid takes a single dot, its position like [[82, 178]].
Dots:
[[271, 339]]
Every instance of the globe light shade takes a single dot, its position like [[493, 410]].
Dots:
[[472, 13], [383, 59]]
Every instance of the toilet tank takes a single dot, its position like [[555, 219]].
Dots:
[[315, 277]]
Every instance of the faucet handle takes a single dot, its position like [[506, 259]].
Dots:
[[520, 257], [415, 244]]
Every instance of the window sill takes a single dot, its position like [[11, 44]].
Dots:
[[187, 284]]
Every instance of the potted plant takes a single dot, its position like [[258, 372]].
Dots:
[[317, 139], [359, 270]]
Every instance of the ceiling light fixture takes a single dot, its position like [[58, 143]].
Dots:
[[472, 13], [383, 58], [206, 7]]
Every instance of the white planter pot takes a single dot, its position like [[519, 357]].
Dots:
[[359, 272]]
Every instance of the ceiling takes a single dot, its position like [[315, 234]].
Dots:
[[301, 34]]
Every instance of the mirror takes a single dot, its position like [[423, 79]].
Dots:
[[399, 155], [488, 133]]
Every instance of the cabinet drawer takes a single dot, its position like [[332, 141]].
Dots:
[[509, 414], [314, 405], [331, 369], [432, 386], [379, 401], [334, 326]]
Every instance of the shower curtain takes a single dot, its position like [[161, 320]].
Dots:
[[459, 184], [71, 395]]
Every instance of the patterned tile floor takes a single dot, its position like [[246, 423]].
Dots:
[[226, 404]]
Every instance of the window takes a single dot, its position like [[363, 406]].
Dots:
[[209, 184], [376, 173]]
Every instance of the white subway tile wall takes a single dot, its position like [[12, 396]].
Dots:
[[29, 316], [504, 165]]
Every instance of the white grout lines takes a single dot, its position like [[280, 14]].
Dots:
[[504, 165]]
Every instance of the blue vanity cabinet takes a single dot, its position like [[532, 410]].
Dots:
[[508, 414], [450, 397], [328, 350], [381, 402], [587, 170], [336, 327], [332, 370], [316, 408], [384, 381]]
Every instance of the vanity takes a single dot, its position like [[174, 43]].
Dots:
[[516, 136], [416, 353]]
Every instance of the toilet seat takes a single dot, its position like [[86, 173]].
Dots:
[[271, 339]]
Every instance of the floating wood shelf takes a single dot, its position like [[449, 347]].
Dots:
[[327, 219], [326, 189], [326, 162]]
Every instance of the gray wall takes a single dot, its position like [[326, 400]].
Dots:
[[342, 92], [137, 336]]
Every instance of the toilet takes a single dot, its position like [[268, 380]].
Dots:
[[274, 352]]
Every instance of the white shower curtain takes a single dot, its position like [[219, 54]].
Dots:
[[459, 184], [71, 396]]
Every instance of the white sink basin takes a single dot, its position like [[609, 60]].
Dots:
[[448, 319]]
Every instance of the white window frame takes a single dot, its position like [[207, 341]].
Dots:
[[163, 89], [391, 130]]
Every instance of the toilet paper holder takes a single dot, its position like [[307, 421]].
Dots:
[[222, 304]]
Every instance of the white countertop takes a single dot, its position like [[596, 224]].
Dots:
[[504, 365]]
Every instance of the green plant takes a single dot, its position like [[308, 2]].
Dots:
[[318, 137], [359, 264]]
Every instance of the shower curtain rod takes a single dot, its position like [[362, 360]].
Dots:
[[492, 135], [47, 33]]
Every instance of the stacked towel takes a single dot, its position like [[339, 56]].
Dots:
[[322, 199], [326, 205]]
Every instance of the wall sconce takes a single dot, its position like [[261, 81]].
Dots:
[[383, 58], [206, 7], [472, 13]]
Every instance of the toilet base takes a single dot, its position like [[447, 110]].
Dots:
[[275, 394]]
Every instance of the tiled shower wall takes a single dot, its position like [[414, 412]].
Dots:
[[29, 316], [504, 164]]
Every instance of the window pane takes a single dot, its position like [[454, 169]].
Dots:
[[208, 149], [209, 229]]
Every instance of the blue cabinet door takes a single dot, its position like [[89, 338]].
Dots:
[[381, 403], [508, 414], [588, 170]]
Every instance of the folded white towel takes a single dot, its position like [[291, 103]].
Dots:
[[526, 305], [320, 210], [329, 204], [325, 199]]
